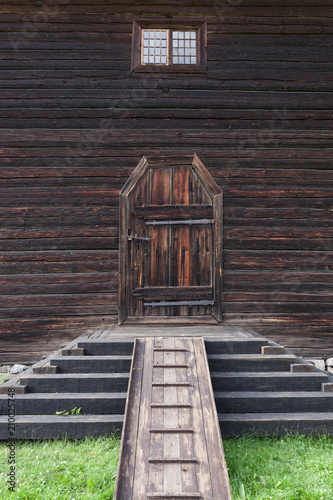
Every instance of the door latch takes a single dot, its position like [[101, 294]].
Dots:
[[135, 237]]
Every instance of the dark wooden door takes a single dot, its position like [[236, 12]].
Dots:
[[170, 243]]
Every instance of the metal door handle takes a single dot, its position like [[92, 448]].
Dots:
[[135, 237]]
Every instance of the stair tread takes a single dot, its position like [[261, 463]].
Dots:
[[275, 416], [265, 357], [92, 357], [67, 395], [271, 394], [53, 376], [42, 419], [269, 374]]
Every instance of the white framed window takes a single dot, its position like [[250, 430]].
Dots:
[[169, 46]]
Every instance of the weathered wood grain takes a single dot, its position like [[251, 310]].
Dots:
[[76, 123]]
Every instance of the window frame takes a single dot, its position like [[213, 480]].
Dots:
[[171, 25]]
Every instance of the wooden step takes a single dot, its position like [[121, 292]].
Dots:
[[174, 496], [172, 425], [273, 402], [49, 403], [108, 348], [276, 424], [250, 362], [7, 388], [241, 346], [92, 364], [57, 427], [271, 350], [73, 351], [73, 382], [267, 381]]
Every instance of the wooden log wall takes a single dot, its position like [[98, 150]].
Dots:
[[76, 121]]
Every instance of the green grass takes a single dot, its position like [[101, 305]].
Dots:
[[287, 468], [3, 374], [62, 470]]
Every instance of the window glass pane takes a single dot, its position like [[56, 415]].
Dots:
[[156, 40], [184, 49]]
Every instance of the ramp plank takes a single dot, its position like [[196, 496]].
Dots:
[[171, 443]]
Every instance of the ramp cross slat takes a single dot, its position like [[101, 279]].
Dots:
[[171, 444]]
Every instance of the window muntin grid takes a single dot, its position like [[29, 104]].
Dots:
[[184, 47], [157, 44], [154, 46]]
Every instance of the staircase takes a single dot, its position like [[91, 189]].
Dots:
[[91, 375], [258, 387]]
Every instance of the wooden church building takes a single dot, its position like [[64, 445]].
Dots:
[[165, 162]]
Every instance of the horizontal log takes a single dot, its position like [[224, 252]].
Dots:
[[149, 96], [237, 119], [301, 214], [54, 80], [68, 311], [49, 138], [272, 287], [80, 243], [277, 307], [254, 319], [256, 100], [59, 232], [278, 244], [271, 296], [51, 288], [284, 260], [59, 279], [74, 255], [49, 268], [189, 9], [59, 300], [283, 277]]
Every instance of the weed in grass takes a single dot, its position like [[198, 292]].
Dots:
[[74, 411], [288, 468]]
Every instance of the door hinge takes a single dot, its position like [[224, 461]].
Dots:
[[188, 303], [188, 222]]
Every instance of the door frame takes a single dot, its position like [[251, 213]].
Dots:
[[124, 225]]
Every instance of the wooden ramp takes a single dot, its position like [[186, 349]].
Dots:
[[171, 443]]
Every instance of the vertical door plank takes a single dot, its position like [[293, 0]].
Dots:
[[160, 194], [138, 250]]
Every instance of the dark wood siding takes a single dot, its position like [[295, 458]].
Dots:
[[75, 123]]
